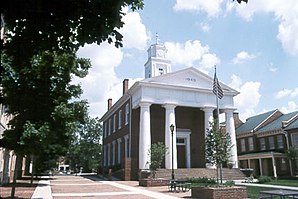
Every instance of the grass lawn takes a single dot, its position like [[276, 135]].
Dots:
[[254, 192]]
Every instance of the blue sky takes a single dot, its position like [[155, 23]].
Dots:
[[254, 45]]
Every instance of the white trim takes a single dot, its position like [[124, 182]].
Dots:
[[185, 134]]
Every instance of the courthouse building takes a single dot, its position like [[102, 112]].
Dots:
[[144, 113]]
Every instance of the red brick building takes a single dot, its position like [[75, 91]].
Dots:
[[146, 110]]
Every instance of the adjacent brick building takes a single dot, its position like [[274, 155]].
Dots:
[[263, 141]]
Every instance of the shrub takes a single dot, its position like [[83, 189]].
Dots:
[[264, 179], [229, 183], [203, 180]]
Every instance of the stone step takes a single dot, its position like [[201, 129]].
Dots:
[[228, 174]]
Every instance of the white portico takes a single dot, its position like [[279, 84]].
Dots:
[[183, 98]]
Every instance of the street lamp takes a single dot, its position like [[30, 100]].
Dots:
[[172, 128]]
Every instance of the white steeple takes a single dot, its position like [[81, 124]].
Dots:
[[157, 64]]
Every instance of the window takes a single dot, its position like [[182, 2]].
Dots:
[[280, 143], [105, 130], [110, 126], [180, 141], [126, 113], [295, 140], [250, 144], [271, 143], [283, 164], [120, 119], [242, 142], [161, 71], [262, 144], [114, 123]]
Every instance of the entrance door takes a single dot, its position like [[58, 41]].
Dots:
[[183, 148], [181, 156]]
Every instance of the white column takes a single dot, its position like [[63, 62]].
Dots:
[[208, 118], [188, 162], [170, 119], [230, 128], [119, 150], [208, 125], [113, 160], [126, 146], [144, 136], [261, 166], [274, 166]]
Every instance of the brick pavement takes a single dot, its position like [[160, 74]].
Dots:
[[86, 186]]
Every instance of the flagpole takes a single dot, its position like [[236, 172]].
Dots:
[[217, 120], [217, 106]]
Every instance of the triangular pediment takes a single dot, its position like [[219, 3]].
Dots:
[[188, 77]]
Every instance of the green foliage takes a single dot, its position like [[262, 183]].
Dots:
[[34, 26], [85, 148], [38, 96], [229, 183], [218, 146], [157, 153], [202, 180], [264, 179]]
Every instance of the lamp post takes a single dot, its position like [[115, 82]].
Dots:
[[172, 128]]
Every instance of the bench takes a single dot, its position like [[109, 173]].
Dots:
[[183, 186], [178, 186]]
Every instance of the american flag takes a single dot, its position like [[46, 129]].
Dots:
[[216, 87]]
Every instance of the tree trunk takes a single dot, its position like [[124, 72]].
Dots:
[[15, 175], [33, 169]]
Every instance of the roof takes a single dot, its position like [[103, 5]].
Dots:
[[253, 122], [278, 123], [293, 125]]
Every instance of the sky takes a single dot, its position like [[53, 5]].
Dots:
[[253, 45]]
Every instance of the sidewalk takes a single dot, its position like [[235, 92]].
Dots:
[[91, 186], [69, 186]]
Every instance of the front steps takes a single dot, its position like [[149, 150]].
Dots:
[[228, 174]]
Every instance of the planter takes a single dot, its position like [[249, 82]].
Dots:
[[150, 182], [219, 192]]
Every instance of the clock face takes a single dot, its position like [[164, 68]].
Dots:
[[160, 53]]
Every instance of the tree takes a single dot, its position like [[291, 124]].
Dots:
[[85, 148], [33, 26], [157, 153], [38, 96], [218, 147], [292, 154]]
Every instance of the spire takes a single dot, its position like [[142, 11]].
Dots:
[[157, 38]]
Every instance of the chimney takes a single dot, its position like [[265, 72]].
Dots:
[[237, 120], [110, 104], [125, 86]]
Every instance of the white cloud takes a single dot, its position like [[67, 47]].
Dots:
[[292, 106], [283, 93], [249, 96], [287, 93], [211, 7], [285, 13], [205, 27], [190, 53], [272, 68], [101, 77], [134, 31], [243, 56]]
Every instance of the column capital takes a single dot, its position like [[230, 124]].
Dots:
[[145, 104], [125, 137], [119, 140], [208, 109], [169, 106], [229, 110]]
